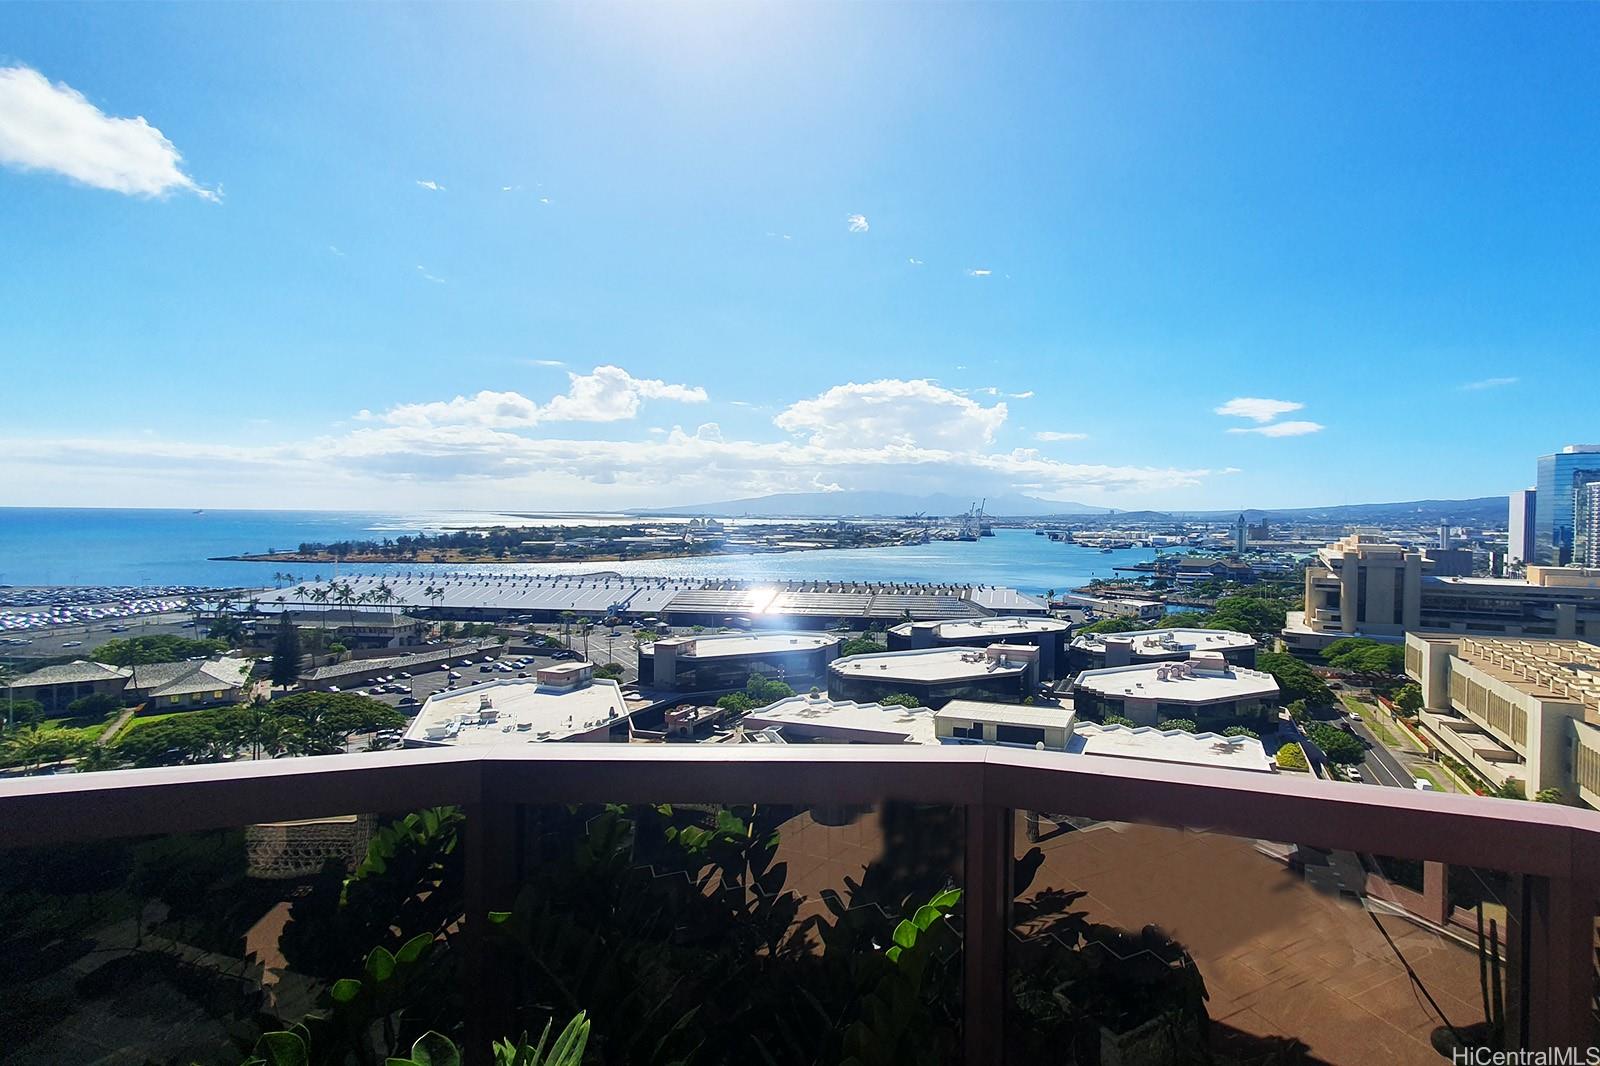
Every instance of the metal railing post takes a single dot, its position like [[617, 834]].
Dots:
[[987, 923]]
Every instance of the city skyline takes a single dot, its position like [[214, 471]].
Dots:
[[555, 258]]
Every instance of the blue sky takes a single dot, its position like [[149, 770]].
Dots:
[[679, 253]]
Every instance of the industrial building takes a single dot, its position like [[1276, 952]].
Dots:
[[1095, 651], [712, 661], [1366, 586], [1524, 711], [821, 719], [563, 702], [1203, 688], [1004, 673], [498, 596], [1049, 635]]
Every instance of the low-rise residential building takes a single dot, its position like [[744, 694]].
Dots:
[[1203, 688], [705, 663], [1514, 710], [1095, 651], [352, 628], [563, 702], [1368, 587], [1005, 673], [1049, 635], [57, 686], [179, 686], [174, 685]]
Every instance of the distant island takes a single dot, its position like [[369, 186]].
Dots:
[[865, 504], [597, 543]]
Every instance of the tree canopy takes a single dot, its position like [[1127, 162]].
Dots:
[[160, 648], [1366, 656], [1296, 681], [286, 655]]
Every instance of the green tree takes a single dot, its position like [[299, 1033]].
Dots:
[[1186, 724], [1365, 656], [35, 746], [286, 655], [900, 699], [96, 706], [162, 648], [1296, 681], [1408, 700], [1241, 731], [1339, 746], [1292, 757], [1550, 795], [613, 671], [861, 646]]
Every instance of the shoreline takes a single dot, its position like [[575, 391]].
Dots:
[[457, 559]]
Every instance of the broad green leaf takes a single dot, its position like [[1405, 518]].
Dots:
[[345, 989], [499, 917], [281, 1049], [435, 1049], [414, 949], [380, 965], [905, 934]]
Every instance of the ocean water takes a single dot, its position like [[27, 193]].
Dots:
[[87, 546]]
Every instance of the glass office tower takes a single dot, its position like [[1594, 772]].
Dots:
[[1559, 501]]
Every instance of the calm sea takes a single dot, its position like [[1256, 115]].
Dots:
[[61, 546]]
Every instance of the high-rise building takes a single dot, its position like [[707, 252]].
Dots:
[[1562, 477], [1444, 535], [1588, 525], [1241, 534], [1520, 522]]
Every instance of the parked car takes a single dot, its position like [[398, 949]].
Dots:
[[1355, 773]]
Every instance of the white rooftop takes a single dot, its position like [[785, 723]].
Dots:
[[1157, 642], [1173, 746], [1041, 716], [726, 645], [988, 627], [1178, 683], [928, 664], [821, 718], [523, 711]]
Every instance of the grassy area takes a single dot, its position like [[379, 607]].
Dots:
[[1423, 775], [145, 719], [85, 728]]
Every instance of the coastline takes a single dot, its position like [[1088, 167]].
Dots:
[[455, 558]]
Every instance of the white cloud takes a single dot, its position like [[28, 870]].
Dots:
[[977, 273], [914, 261], [610, 394], [1489, 383], [1028, 395], [857, 223], [893, 413], [1056, 435], [431, 186], [606, 394], [1281, 429], [54, 127], [544, 199], [547, 362], [1257, 409], [334, 248], [424, 272]]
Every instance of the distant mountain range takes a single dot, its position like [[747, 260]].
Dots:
[[871, 505], [1485, 510]]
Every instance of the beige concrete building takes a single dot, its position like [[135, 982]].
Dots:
[[1204, 688], [1525, 711], [1368, 587]]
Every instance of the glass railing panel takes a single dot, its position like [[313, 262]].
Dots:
[[188, 948], [1137, 943], [759, 933]]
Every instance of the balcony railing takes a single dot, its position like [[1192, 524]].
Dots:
[[1240, 851]]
